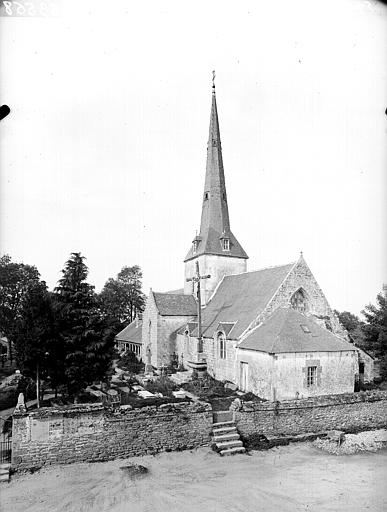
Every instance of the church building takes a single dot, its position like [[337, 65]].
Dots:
[[269, 331]]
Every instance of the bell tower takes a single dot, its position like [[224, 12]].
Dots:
[[216, 249]]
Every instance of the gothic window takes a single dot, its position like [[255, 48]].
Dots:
[[299, 301], [226, 244], [222, 345]]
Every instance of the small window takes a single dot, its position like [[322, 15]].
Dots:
[[195, 246], [206, 195], [222, 346], [312, 376], [305, 328], [226, 244]]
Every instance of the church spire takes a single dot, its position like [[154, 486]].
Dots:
[[215, 235]]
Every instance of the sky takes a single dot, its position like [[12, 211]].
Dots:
[[104, 150]]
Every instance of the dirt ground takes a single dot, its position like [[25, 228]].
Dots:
[[298, 477]]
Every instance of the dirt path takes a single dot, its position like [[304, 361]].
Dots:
[[290, 478]]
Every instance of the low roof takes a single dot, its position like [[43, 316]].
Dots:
[[171, 304], [241, 298], [132, 333], [287, 330]]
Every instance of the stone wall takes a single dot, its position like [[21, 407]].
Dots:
[[220, 369], [159, 333], [89, 433], [217, 267], [350, 412], [301, 277], [149, 329]]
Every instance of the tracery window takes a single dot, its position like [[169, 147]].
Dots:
[[299, 301]]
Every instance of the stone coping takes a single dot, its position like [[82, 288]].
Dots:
[[318, 401], [75, 409]]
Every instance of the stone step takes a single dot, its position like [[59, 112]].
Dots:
[[223, 430], [233, 451], [221, 424], [4, 472], [226, 437], [229, 444], [222, 416]]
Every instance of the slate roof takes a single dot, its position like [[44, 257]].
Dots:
[[170, 304], [215, 222], [287, 330], [241, 298], [131, 333]]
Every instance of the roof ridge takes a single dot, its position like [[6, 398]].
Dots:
[[292, 263], [173, 294]]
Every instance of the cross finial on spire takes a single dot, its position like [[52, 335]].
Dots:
[[213, 79]]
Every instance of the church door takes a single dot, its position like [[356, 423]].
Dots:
[[244, 373]]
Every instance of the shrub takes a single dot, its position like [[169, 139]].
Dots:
[[207, 387], [161, 385], [130, 363]]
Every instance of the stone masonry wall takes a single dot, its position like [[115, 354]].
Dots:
[[89, 433], [351, 412], [301, 276], [149, 330]]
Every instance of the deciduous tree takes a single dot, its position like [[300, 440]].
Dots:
[[15, 281], [375, 331], [122, 298]]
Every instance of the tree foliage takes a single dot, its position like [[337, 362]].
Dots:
[[353, 325], [122, 298], [15, 281], [34, 330], [87, 340], [375, 331]]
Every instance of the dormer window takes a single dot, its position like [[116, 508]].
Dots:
[[194, 246], [226, 244]]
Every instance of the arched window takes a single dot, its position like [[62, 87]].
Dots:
[[299, 301], [222, 345]]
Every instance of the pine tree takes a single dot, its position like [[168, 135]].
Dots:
[[87, 341]]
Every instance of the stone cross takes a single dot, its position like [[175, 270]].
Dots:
[[196, 279], [148, 366]]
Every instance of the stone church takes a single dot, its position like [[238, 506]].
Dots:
[[269, 331]]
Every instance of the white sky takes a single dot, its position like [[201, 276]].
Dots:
[[104, 150]]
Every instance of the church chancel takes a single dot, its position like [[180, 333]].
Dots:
[[269, 331]]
